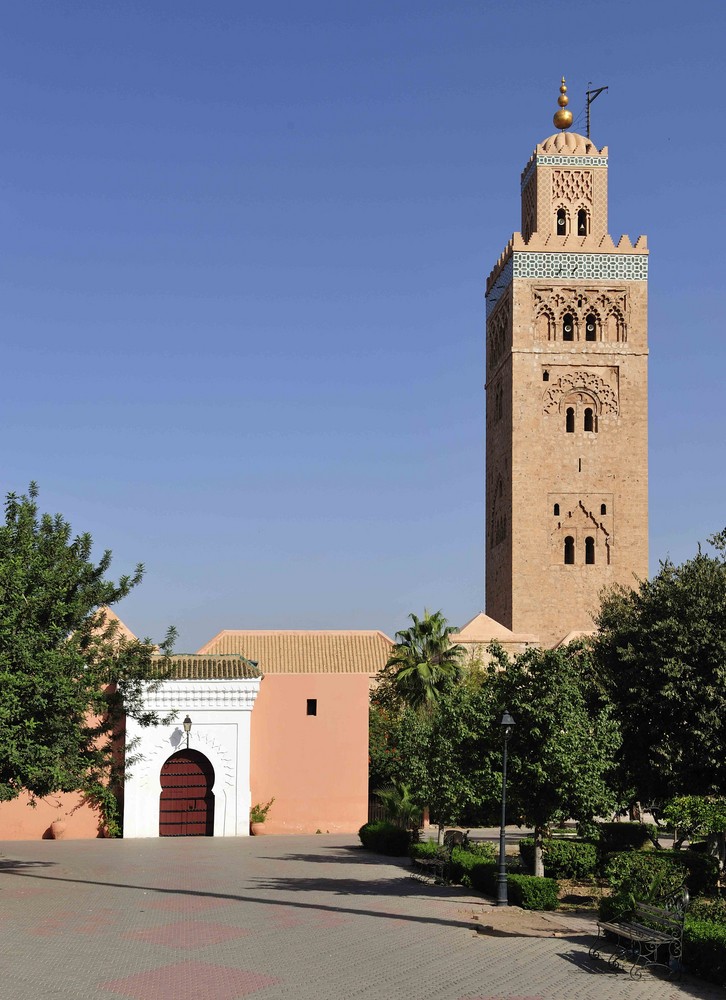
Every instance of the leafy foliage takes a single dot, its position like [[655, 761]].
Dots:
[[66, 674], [625, 836], [662, 652], [652, 875], [401, 810], [704, 949], [695, 816], [385, 838], [532, 893], [563, 858], [424, 662], [565, 737], [259, 811]]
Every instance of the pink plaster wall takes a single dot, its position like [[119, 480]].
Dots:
[[316, 767], [20, 821]]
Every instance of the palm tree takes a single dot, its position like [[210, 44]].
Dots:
[[424, 660], [400, 808]]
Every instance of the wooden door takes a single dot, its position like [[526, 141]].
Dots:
[[186, 807]]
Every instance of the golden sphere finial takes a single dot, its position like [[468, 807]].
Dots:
[[563, 118]]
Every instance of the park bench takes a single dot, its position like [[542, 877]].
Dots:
[[435, 868], [649, 935]]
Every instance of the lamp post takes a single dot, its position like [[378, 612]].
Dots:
[[187, 728], [507, 725]]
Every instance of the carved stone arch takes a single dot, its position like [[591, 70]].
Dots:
[[580, 523], [592, 310], [580, 398], [582, 381], [562, 207], [497, 514], [581, 207], [545, 324], [615, 331]]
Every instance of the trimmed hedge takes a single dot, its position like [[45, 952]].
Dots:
[[532, 893], [636, 870], [625, 836], [562, 858], [713, 910], [385, 838], [704, 949]]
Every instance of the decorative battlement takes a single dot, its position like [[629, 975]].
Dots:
[[572, 246]]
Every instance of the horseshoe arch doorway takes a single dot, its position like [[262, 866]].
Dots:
[[186, 805]]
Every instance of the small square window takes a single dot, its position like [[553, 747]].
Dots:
[[312, 706]]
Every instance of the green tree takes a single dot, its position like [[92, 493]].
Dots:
[[448, 755], [66, 674], [661, 650], [425, 661], [562, 749]]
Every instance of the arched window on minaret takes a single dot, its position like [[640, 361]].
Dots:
[[570, 420], [569, 551], [603, 508], [583, 222], [589, 551], [556, 510], [591, 327], [568, 327], [561, 222], [589, 422]]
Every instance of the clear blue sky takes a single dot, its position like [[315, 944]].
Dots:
[[244, 249]]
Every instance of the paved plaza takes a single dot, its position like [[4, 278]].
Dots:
[[270, 918]]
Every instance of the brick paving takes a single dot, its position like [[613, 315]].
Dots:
[[271, 918]]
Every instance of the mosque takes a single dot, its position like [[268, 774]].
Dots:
[[283, 715]]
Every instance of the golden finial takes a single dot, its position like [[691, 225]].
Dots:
[[563, 117]]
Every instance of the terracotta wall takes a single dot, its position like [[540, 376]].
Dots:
[[316, 767], [20, 821]]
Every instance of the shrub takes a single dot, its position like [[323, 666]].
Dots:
[[464, 860], [702, 877], [625, 836], [424, 849], [713, 910], [385, 838], [652, 875], [532, 892], [562, 858], [484, 877], [481, 849], [704, 949]]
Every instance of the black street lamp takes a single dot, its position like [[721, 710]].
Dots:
[[187, 728], [507, 725]]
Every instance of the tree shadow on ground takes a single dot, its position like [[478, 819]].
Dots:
[[395, 886], [352, 856], [10, 866]]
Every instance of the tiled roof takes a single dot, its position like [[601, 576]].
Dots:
[[483, 629], [303, 652], [192, 666]]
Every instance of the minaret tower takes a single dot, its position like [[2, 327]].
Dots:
[[567, 401]]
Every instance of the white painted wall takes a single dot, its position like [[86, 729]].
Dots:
[[221, 712]]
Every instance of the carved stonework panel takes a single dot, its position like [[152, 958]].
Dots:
[[609, 307], [495, 401], [580, 521], [529, 211], [498, 520], [599, 385], [498, 332], [572, 185]]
